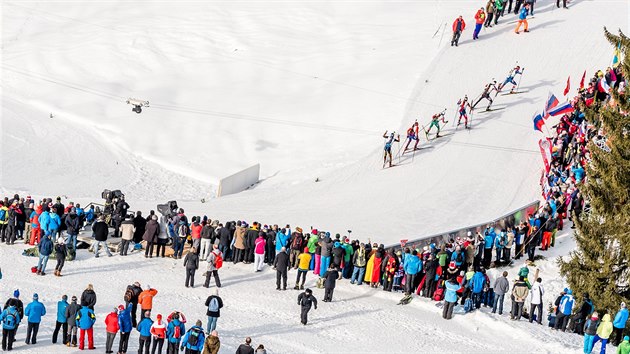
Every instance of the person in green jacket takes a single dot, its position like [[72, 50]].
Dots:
[[498, 10], [442, 257], [347, 264], [624, 347], [312, 245]]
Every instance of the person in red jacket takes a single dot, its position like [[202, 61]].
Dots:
[[158, 331], [35, 227], [195, 233], [458, 27], [111, 326], [480, 18]]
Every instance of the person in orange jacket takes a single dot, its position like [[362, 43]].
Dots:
[[145, 300], [35, 227], [458, 27], [480, 18], [111, 326]]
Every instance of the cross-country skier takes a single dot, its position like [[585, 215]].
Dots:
[[462, 103], [510, 79], [458, 27], [412, 134], [486, 94], [435, 122], [388, 146]]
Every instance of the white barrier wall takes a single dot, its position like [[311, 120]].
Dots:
[[239, 181]]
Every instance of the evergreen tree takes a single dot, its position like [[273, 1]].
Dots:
[[600, 264]]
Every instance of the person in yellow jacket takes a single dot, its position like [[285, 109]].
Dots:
[[370, 267], [604, 330], [4, 219], [304, 262], [624, 347]]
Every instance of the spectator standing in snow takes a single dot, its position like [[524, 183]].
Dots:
[[564, 311], [111, 327], [126, 231], [62, 320], [450, 298], [125, 326], [151, 236], [305, 300], [140, 224], [45, 248], [101, 231], [212, 344], [501, 287], [520, 291], [590, 330], [536, 296], [330, 282], [214, 303], [246, 348], [144, 327], [604, 330], [215, 261], [522, 19], [61, 252], [360, 260], [207, 238], [158, 330], [174, 332], [34, 312], [85, 320], [71, 316], [259, 251], [191, 263], [145, 300], [458, 27], [281, 264], [304, 260], [131, 297], [193, 340], [88, 297]]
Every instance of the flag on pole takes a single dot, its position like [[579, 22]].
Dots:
[[545, 151], [538, 122], [582, 81], [552, 102], [616, 56], [561, 109], [566, 90]]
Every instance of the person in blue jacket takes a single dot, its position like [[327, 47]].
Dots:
[[45, 249], [458, 257], [194, 339], [89, 215], [62, 321], [85, 319], [125, 326], [499, 244], [619, 324], [412, 267], [488, 243], [174, 332], [54, 223], [34, 312], [144, 327], [477, 284], [450, 298], [10, 319], [281, 240], [565, 308], [44, 220]]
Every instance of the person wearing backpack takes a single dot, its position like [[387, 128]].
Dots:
[[360, 261], [144, 327], [111, 327], [590, 330], [85, 320], [215, 262], [45, 248], [297, 246], [158, 330], [193, 339], [125, 326], [180, 239], [214, 303], [131, 297], [71, 321], [62, 320], [191, 263], [174, 331], [10, 319]]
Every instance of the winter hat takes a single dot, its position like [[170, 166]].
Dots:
[[147, 313], [623, 305], [121, 308], [35, 296], [16, 294], [565, 290], [298, 229], [74, 298], [452, 265], [159, 316], [308, 291], [626, 338], [136, 284], [198, 323], [305, 249], [337, 244], [64, 297], [595, 315], [569, 292], [314, 232]]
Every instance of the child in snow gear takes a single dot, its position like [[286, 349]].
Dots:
[[388, 146], [458, 27], [306, 300], [462, 103], [435, 122], [486, 94], [510, 79]]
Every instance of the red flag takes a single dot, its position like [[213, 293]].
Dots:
[[566, 90], [582, 81], [403, 243]]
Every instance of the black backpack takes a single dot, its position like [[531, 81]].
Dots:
[[193, 337]]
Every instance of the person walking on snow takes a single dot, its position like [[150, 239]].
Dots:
[[306, 300], [388, 147], [462, 103], [435, 122], [522, 19], [480, 18], [214, 303], [510, 79], [459, 25]]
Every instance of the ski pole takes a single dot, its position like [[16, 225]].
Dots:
[[519, 80], [442, 36]]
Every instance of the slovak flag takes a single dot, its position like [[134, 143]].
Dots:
[[562, 109], [552, 102], [538, 122], [603, 86]]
